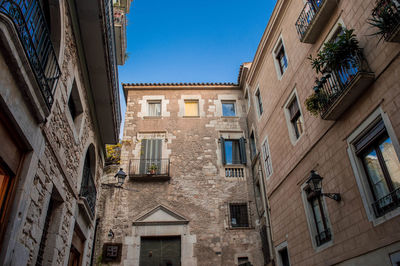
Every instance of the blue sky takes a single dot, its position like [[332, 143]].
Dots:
[[191, 41]]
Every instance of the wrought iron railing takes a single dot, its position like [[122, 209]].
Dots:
[[34, 35], [386, 16], [234, 172], [109, 17], [307, 15], [323, 237], [88, 189], [149, 167], [387, 203], [334, 83]]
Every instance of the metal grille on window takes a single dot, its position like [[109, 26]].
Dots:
[[45, 232], [88, 188], [239, 216]]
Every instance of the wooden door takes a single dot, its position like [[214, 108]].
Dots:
[[160, 251], [76, 251]]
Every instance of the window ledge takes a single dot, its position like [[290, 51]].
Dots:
[[191, 116], [85, 209], [240, 228], [386, 217], [152, 117]]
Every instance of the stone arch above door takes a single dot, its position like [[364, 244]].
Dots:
[[160, 221]]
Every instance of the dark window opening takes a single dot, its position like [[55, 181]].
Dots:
[[284, 256], [259, 102], [112, 252], [75, 105], [239, 216], [88, 187], [253, 148], [295, 118], [244, 261]]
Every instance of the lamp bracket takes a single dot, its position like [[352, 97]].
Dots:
[[334, 196]]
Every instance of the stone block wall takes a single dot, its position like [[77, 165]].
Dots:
[[198, 189], [323, 146]]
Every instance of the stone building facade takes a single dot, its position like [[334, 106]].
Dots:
[[182, 191], [339, 143], [59, 105]]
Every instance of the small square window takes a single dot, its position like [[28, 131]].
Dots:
[[239, 216], [283, 257], [259, 102], [192, 108], [154, 108], [112, 252], [228, 108]]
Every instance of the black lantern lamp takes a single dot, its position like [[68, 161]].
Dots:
[[315, 184], [121, 175], [110, 234]]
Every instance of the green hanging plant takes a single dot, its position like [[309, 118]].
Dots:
[[385, 18]]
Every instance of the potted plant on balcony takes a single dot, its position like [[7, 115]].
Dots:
[[336, 57], [153, 169], [386, 19]]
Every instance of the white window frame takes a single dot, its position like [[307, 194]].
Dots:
[[311, 222], [229, 102], [256, 100], [153, 102], [264, 145], [280, 247], [358, 168], [278, 45], [292, 133]]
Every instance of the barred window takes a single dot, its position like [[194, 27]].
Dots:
[[239, 215]]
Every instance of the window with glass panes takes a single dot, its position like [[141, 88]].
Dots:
[[233, 151], [295, 118], [228, 108], [382, 167], [154, 108], [267, 158], [320, 222], [281, 58]]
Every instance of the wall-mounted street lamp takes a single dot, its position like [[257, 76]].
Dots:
[[121, 175], [315, 184]]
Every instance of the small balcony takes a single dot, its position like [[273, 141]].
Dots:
[[323, 237], [149, 170], [386, 19], [313, 19], [341, 88], [34, 34], [387, 203]]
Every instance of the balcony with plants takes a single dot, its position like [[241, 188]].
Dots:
[[386, 20], [146, 170], [343, 75], [313, 18]]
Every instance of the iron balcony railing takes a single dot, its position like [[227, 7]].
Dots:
[[109, 17], [387, 12], [387, 203], [307, 15], [88, 189], [34, 35], [334, 83], [323, 237], [149, 167]]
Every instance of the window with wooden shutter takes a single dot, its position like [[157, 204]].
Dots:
[[192, 108]]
